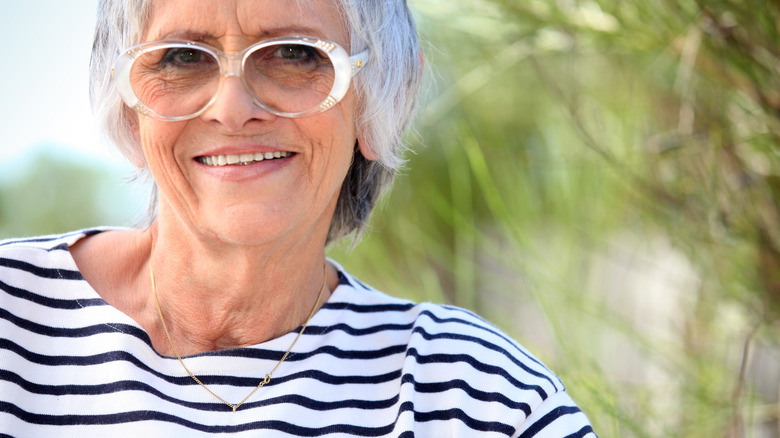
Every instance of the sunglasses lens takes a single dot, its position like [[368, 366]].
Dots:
[[289, 78], [175, 81], [284, 78]]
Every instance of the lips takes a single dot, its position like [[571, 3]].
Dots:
[[242, 159]]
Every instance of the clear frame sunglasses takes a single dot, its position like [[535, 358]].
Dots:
[[287, 76]]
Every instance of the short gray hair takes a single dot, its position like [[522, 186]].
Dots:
[[386, 90]]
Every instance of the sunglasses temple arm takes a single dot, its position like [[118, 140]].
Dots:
[[358, 61]]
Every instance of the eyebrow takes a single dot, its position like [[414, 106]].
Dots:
[[193, 34]]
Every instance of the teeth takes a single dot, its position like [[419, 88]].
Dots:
[[243, 159]]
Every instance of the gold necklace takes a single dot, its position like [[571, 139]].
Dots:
[[267, 377]]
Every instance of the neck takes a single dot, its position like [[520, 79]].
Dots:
[[216, 296]]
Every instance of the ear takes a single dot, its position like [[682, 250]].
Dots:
[[365, 150], [138, 161], [137, 158], [132, 117]]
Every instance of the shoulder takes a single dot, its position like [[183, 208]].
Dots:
[[46, 243], [47, 247], [460, 365], [38, 270], [38, 255], [436, 330]]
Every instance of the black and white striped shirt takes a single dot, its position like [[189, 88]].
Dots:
[[368, 365]]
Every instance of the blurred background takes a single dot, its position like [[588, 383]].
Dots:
[[599, 178]]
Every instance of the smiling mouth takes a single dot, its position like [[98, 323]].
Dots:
[[241, 160]]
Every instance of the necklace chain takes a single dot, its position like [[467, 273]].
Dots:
[[267, 377]]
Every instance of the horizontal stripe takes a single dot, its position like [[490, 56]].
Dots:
[[581, 433], [350, 354], [549, 418], [122, 356], [323, 330], [77, 332], [472, 423], [50, 273], [54, 303], [126, 385], [131, 385], [53, 238], [477, 365], [151, 415], [139, 333], [481, 327], [295, 356], [439, 387], [490, 346], [368, 308]]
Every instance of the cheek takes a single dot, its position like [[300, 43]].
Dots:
[[331, 142], [156, 136], [157, 139], [342, 147], [331, 134]]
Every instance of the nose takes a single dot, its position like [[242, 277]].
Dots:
[[234, 107]]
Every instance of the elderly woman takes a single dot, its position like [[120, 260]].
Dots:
[[268, 127]]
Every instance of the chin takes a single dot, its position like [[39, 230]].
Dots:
[[242, 233], [248, 228]]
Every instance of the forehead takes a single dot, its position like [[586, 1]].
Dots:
[[244, 19]]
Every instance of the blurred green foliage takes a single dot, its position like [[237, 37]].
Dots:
[[599, 178], [53, 191]]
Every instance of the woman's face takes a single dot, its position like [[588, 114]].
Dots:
[[287, 197]]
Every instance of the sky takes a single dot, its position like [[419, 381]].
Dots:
[[44, 87], [44, 99]]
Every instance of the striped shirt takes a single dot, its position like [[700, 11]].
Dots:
[[368, 365]]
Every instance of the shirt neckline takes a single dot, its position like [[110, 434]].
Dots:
[[319, 318]]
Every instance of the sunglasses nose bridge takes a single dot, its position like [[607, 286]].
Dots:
[[232, 65]]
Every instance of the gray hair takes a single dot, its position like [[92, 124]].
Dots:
[[386, 90]]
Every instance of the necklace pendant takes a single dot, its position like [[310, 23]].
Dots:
[[234, 407]]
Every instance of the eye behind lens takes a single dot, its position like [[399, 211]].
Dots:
[[289, 78], [186, 57], [297, 52], [175, 81]]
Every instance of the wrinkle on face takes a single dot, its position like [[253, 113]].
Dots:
[[292, 203], [241, 27]]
